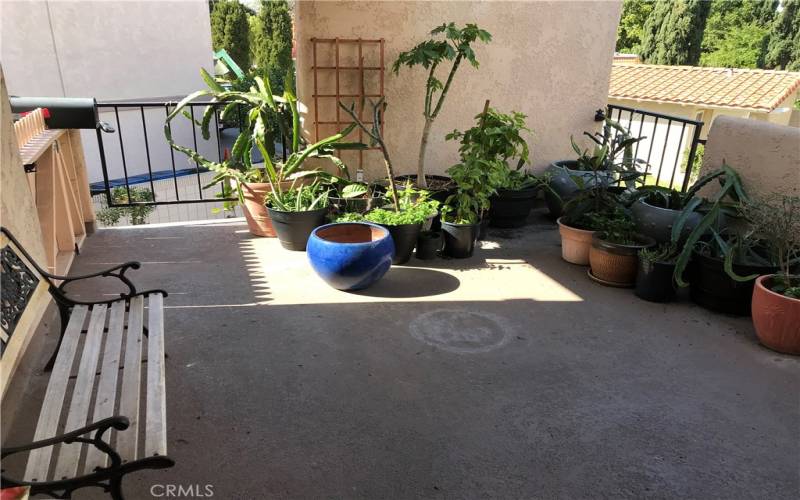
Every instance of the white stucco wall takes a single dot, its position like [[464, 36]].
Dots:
[[107, 50], [110, 50], [549, 60]]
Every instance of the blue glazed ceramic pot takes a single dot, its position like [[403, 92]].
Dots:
[[350, 255]]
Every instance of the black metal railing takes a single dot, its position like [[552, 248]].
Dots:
[[669, 147], [140, 160]]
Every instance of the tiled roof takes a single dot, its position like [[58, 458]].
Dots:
[[747, 89]]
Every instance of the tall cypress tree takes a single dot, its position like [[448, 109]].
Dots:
[[273, 54], [783, 45], [230, 31], [673, 32]]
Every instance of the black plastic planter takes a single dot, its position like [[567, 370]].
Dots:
[[459, 239], [405, 239], [294, 228], [654, 281], [428, 244], [483, 229], [712, 288], [511, 208]]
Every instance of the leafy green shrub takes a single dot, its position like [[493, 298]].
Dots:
[[110, 216]]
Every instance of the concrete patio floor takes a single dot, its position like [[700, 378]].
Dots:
[[507, 375]]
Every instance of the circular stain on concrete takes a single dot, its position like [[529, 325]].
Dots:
[[462, 332]]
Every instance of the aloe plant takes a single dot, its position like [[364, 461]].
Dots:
[[727, 199], [456, 46], [260, 106]]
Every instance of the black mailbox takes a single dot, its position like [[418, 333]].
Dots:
[[65, 112]]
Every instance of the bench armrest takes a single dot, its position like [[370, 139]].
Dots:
[[117, 271], [101, 426]]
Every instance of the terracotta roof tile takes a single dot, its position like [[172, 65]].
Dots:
[[747, 89]]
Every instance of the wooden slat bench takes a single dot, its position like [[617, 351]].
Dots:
[[119, 353]]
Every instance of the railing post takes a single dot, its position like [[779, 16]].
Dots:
[[103, 166], [690, 160]]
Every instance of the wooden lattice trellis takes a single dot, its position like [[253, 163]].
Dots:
[[335, 69]]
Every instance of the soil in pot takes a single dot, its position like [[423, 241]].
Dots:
[[712, 288], [654, 281], [776, 317], [405, 239], [435, 183], [459, 239], [616, 264], [511, 208], [294, 228], [350, 255], [428, 244], [575, 243]]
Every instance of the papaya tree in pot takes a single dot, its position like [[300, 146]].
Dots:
[[448, 44]]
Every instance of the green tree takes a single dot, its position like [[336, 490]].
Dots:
[[783, 41], [736, 32], [272, 50], [631, 24], [231, 31], [673, 32]]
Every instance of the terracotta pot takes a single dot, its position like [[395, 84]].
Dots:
[[575, 243], [615, 264], [258, 221], [776, 318]]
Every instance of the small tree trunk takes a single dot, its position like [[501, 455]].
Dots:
[[426, 131]]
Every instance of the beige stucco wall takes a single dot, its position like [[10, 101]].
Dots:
[[766, 155], [18, 214], [549, 60]]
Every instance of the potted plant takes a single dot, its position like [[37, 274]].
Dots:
[[657, 209], [236, 173], [350, 255], [592, 204], [486, 149], [409, 208], [610, 159], [654, 278], [722, 254], [515, 197], [454, 47], [460, 225], [776, 297], [403, 225], [614, 254], [296, 212]]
